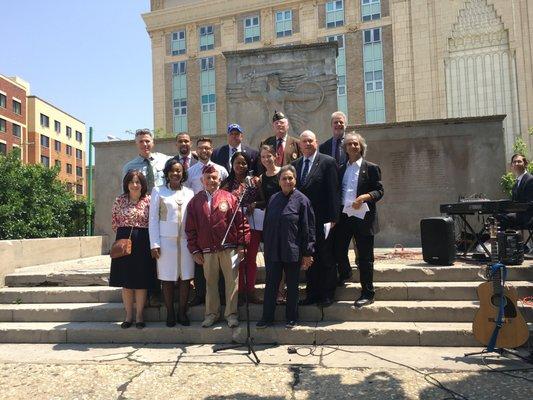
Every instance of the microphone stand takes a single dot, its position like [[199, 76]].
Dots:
[[249, 342]]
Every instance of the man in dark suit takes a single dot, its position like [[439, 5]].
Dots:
[[317, 179], [222, 155], [333, 146], [522, 192], [185, 156], [361, 187], [286, 146]]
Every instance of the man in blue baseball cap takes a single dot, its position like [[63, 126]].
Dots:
[[222, 155]]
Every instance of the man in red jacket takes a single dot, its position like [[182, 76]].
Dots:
[[208, 218]]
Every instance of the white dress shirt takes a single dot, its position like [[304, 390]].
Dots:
[[195, 173], [350, 181]]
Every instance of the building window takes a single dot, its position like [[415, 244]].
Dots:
[[79, 189], [208, 96], [69, 169], [79, 171], [17, 130], [57, 126], [69, 132], [252, 30], [178, 45], [342, 101], [45, 121], [334, 13], [207, 38], [3, 100], [283, 23], [45, 161], [69, 150], [179, 96], [79, 154], [79, 136], [45, 141], [57, 145], [17, 108], [2, 125], [370, 10], [58, 164], [3, 148], [373, 76]]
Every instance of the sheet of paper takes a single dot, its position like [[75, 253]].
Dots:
[[235, 260], [256, 219], [351, 212], [327, 228]]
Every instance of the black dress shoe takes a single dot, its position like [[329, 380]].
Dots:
[[184, 320], [326, 302], [363, 301], [263, 324], [126, 324], [290, 324], [196, 301], [140, 325], [344, 278], [307, 301], [170, 323]]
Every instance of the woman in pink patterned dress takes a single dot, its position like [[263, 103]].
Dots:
[[137, 272]]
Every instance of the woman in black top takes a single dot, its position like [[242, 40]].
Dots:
[[269, 180]]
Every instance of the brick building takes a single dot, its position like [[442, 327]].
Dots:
[[13, 115], [399, 60]]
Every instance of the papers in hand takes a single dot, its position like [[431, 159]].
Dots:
[[235, 260], [351, 212], [256, 219]]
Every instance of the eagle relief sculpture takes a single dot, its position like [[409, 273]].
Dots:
[[295, 93]]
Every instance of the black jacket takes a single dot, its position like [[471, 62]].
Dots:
[[220, 156]]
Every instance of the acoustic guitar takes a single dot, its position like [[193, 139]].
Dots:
[[513, 331]]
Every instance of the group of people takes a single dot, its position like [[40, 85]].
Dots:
[[202, 216]]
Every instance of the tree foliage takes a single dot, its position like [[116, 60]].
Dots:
[[33, 202]]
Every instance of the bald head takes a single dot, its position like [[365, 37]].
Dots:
[[308, 143]]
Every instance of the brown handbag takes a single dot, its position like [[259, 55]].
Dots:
[[121, 247]]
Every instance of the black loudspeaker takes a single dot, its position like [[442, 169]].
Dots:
[[510, 247], [438, 240]]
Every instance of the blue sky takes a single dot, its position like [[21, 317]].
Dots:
[[90, 58]]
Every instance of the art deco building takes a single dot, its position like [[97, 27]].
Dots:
[[398, 60]]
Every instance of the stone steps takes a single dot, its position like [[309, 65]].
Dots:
[[384, 291], [99, 276], [382, 311], [452, 334]]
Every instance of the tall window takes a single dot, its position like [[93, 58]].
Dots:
[[3, 100], [342, 103], [3, 148], [68, 150], [79, 154], [2, 125], [207, 38], [178, 45], [334, 13], [45, 141], [79, 136], [79, 189], [45, 161], [373, 70], [17, 130], [57, 145], [57, 126], [69, 131], [179, 95], [17, 108], [58, 164], [69, 169], [252, 30], [370, 10], [79, 171], [208, 96], [45, 121], [283, 23]]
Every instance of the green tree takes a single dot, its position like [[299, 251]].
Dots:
[[33, 202]]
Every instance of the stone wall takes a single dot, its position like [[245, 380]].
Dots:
[[27, 252], [427, 163]]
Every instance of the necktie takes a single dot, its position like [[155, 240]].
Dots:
[[338, 144], [305, 170], [185, 162], [233, 151], [279, 153], [149, 174]]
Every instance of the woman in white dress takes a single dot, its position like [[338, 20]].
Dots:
[[168, 242]]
